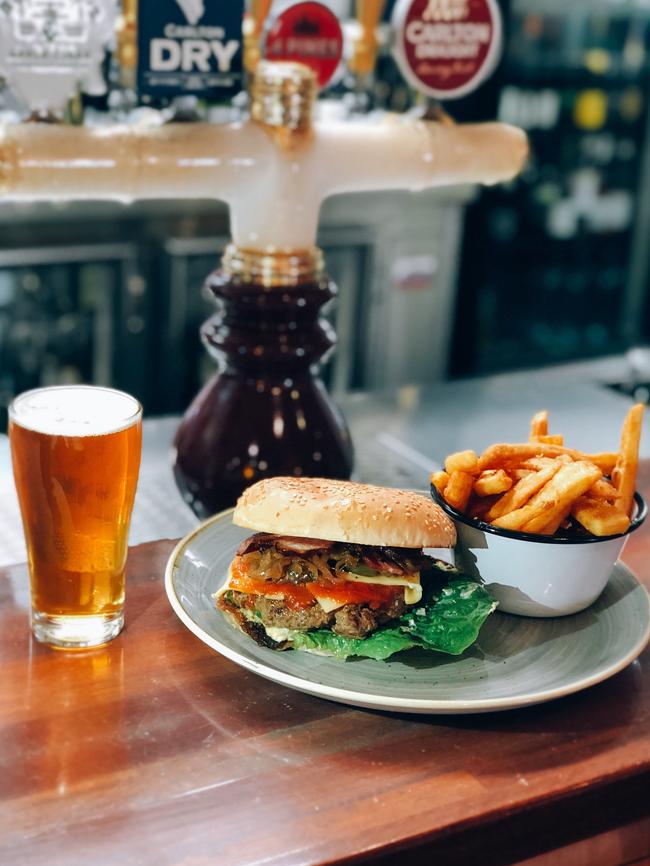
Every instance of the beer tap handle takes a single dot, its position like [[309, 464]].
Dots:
[[364, 49], [253, 25], [127, 43]]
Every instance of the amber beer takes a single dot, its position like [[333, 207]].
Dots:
[[76, 456]]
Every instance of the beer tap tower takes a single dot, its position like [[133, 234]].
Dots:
[[266, 411]]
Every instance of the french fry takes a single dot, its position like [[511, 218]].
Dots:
[[604, 490], [548, 516], [440, 480], [523, 490], [555, 439], [598, 517], [462, 461], [624, 472], [541, 486], [503, 455], [558, 519], [539, 430], [458, 489], [566, 485], [543, 462], [492, 481], [539, 425]]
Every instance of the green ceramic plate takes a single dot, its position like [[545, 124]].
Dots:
[[517, 661]]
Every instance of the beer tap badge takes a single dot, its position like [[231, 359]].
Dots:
[[447, 48], [308, 33], [190, 47], [49, 48]]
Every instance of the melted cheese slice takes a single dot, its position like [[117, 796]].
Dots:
[[327, 604], [411, 584]]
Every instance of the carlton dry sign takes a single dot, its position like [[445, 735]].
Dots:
[[190, 46], [447, 48], [178, 51]]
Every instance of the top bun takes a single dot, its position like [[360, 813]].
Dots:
[[344, 511]]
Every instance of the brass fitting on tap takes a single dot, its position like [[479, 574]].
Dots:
[[274, 268], [283, 95]]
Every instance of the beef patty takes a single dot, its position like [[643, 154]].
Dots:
[[351, 620]]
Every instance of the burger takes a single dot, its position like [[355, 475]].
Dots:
[[340, 569]]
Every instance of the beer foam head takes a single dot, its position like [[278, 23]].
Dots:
[[75, 410]]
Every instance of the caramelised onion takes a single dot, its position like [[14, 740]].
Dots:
[[299, 561]]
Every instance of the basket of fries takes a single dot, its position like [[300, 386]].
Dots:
[[541, 524]]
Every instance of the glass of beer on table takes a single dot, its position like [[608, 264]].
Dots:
[[76, 456]]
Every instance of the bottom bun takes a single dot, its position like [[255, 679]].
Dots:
[[251, 628]]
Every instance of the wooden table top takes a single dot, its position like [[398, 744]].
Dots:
[[155, 749]]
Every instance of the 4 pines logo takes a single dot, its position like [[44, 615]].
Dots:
[[193, 10]]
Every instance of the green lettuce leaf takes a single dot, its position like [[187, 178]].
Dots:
[[379, 645], [448, 620], [452, 622]]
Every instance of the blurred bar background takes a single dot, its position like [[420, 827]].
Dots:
[[550, 268]]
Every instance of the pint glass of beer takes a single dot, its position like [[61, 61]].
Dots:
[[76, 456]]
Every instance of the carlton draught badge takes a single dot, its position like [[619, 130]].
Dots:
[[447, 48]]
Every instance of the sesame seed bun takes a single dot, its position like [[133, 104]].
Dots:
[[344, 511]]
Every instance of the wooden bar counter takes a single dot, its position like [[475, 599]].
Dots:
[[155, 750]]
